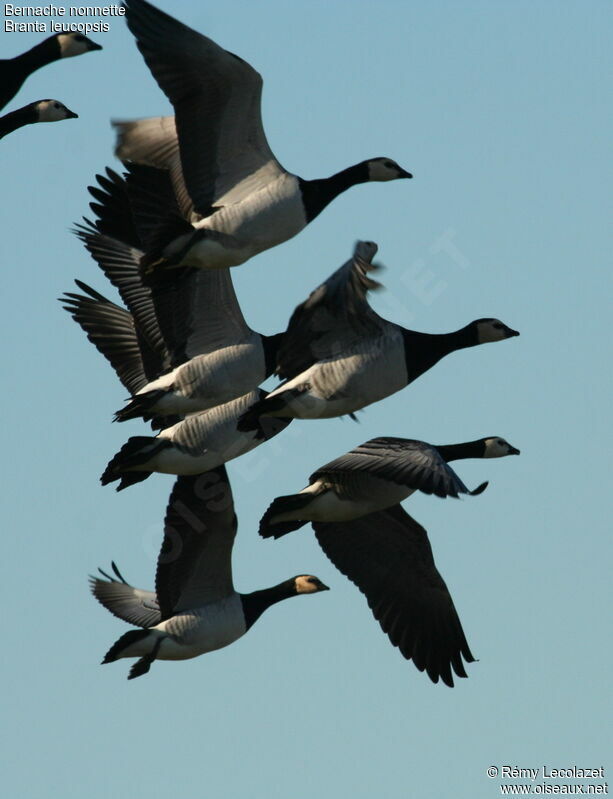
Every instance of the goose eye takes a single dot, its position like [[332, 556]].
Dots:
[[501, 442], [56, 105], [79, 38], [497, 325], [389, 164]]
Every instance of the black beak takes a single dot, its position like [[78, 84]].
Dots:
[[405, 174], [323, 586], [93, 46], [513, 332], [513, 450], [71, 114]]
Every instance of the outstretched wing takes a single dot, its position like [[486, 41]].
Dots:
[[194, 564], [198, 313], [111, 330], [154, 142], [124, 601], [119, 263], [334, 316], [387, 555], [414, 464], [216, 97]]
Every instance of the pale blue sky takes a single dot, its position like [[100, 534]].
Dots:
[[499, 109]]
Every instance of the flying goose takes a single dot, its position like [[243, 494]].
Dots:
[[194, 608], [377, 474], [14, 71], [236, 196], [40, 111], [387, 555], [339, 356], [190, 446], [213, 355], [198, 443]]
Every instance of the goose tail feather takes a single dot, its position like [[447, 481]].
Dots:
[[282, 505]]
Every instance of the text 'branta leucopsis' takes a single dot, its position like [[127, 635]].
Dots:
[[230, 187], [376, 475], [194, 608], [339, 356]]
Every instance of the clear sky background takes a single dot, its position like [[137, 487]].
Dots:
[[499, 109]]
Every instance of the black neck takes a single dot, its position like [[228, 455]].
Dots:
[[271, 346], [423, 350], [17, 119], [255, 603], [44, 53], [316, 194], [455, 452]]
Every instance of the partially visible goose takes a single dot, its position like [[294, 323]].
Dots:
[[40, 111], [339, 356], [200, 442], [14, 71], [196, 444], [213, 355], [230, 186], [387, 555], [376, 475], [194, 608]]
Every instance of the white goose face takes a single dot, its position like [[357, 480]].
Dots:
[[307, 584], [497, 448], [493, 330], [386, 169], [72, 44], [53, 111]]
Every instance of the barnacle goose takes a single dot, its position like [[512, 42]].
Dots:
[[236, 196], [213, 355], [339, 356], [194, 608], [377, 474]]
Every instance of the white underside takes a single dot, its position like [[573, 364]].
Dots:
[[329, 507], [346, 384], [214, 454], [266, 218], [209, 380], [194, 632], [205, 440]]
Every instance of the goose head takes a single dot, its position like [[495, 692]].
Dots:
[[72, 44], [385, 169], [308, 584], [53, 111], [487, 330], [496, 447]]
